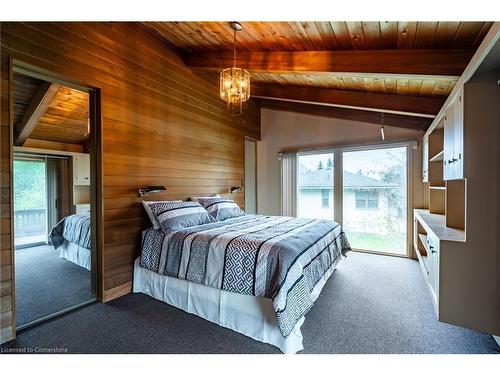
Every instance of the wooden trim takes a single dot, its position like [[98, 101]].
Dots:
[[95, 116], [36, 109], [396, 120], [404, 104], [117, 291], [53, 145], [403, 61]]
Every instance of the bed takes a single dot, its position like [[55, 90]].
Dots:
[[255, 274], [71, 236]]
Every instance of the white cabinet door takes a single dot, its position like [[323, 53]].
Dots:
[[449, 142], [81, 170], [454, 140], [458, 159], [82, 208], [425, 159], [433, 261]]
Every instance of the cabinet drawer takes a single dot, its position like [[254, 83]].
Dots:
[[433, 262]]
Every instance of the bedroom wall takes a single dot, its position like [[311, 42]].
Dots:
[[161, 125], [289, 131]]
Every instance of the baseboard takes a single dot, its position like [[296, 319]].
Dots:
[[117, 291]]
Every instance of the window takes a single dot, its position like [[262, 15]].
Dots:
[[315, 185], [325, 198], [366, 199]]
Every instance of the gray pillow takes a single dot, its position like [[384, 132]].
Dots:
[[221, 209], [151, 215], [178, 215]]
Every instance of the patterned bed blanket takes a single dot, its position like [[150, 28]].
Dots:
[[73, 228], [277, 257]]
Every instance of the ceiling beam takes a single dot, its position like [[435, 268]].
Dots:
[[403, 104], [421, 62], [400, 121], [36, 109]]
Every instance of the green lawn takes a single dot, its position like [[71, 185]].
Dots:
[[393, 243]]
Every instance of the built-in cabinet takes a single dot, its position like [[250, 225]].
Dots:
[[456, 234], [81, 183], [431, 238], [81, 170]]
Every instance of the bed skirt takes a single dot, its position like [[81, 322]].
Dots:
[[76, 254], [252, 316]]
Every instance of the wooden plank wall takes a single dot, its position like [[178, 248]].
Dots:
[[162, 125]]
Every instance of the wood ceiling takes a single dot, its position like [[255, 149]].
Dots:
[[404, 68], [322, 36], [49, 115]]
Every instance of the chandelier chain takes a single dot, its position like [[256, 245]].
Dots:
[[234, 49]]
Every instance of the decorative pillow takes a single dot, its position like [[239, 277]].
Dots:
[[197, 199], [178, 215], [152, 217], [221, 209]]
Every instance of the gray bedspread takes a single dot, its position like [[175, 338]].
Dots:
[[277, 257], [73, 228]]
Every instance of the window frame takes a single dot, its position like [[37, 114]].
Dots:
[[338, 181]]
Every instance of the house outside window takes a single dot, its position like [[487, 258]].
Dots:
[[325, 198], [367, 199]]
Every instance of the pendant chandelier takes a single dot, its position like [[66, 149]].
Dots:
[[235, 82]]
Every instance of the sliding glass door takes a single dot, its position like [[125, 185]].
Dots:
[[30, 202], [372, 202], [315, 186], [375, 199]]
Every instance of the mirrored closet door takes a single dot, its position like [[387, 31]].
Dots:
[[54, 255]]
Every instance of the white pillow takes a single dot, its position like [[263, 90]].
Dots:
[[152, 216], [197, 199]]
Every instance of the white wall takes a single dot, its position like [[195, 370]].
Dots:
[[281, 131]]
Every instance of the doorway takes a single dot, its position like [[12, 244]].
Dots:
[[30, 201], [371, 202], [55, 153]]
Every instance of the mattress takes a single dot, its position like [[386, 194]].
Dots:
[[76, 254], [249, 315], [279, 258], [73, 228]]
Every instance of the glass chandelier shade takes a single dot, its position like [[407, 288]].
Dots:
[[234, 88], [235, 82]]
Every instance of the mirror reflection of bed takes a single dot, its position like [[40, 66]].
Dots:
[[51, 194]]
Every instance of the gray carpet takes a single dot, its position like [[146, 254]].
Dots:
[[46, 284], [373, 304]]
